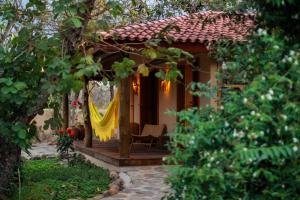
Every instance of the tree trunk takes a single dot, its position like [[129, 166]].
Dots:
[[88, 138], [10, 155], [124, 119], [65, 108]]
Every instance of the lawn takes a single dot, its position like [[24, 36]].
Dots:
[[49, 179]]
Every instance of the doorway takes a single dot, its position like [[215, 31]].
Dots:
[[148, 100]]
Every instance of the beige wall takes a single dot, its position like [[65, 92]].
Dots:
[[204, 74], [167, 100]]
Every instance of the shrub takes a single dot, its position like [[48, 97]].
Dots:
[[249, 147]]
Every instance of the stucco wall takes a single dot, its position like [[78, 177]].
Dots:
[[204, 74], [167, 100]]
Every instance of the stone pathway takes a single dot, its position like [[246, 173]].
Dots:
[[141, 183], [41, 150], [146, 183]]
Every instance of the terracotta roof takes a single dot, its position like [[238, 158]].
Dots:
[[196, 28]]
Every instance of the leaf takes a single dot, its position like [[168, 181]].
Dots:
[[22, 134], [143, 69], [150, 53], [76, 22], [20, 85]]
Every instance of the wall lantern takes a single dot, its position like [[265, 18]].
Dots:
[[165, 85], [135, 86]]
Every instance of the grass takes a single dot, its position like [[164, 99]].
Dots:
[[48, 179]]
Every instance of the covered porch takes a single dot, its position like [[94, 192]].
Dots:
[[109, 153], [144, 100]]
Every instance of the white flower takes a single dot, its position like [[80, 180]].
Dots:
[[222, 150], [222, 107], [295, 140], [255, 174], [295, 148], [245, 100], [245, 149], [252, 112], [226, 124], [262, 133], [284, 117], [258, 114], [263, 97], [241, 134], [208, 165], [283, 186], [212, 159], [286, 128], [269, 97], [242, 117], [292, 52], [263, 78], [235, 134], [271, 92]]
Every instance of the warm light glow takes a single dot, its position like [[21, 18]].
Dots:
[[165, 85], [135, 87]]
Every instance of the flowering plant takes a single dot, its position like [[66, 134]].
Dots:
[[65, 140]]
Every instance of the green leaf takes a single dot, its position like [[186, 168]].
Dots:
[[76, 22], [22, 134], [20, 85]]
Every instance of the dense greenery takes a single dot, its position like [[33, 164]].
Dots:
[[49, 179], [249, 147]]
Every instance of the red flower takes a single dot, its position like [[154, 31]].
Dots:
[[71, 132], [74, 103], [61, 131]]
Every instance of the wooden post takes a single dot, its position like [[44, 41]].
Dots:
[[65, 107], [88, 138], [124, 118], [214, 83]]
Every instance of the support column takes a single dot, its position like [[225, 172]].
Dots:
[[124, 118], [88, 138], [214, 83]]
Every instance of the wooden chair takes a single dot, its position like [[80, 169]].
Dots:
[[149, 135]]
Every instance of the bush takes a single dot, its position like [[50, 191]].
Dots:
[[249, 147]]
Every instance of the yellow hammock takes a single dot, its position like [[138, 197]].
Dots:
[[105, 125]]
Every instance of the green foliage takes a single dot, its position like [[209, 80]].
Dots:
[[249, 147], [124, 68], [49, 179], [65, 139]]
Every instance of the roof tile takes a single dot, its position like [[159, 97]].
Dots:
[[198, 27]]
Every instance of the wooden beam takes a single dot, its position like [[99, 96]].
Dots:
[[124, 118], [88, 138]]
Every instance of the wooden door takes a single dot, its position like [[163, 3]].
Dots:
[[148, 100]]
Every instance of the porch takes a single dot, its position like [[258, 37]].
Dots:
[[109, 153]]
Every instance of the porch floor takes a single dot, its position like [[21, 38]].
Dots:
[[108, 152]]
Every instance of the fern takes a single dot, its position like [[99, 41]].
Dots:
[[264, 153]]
